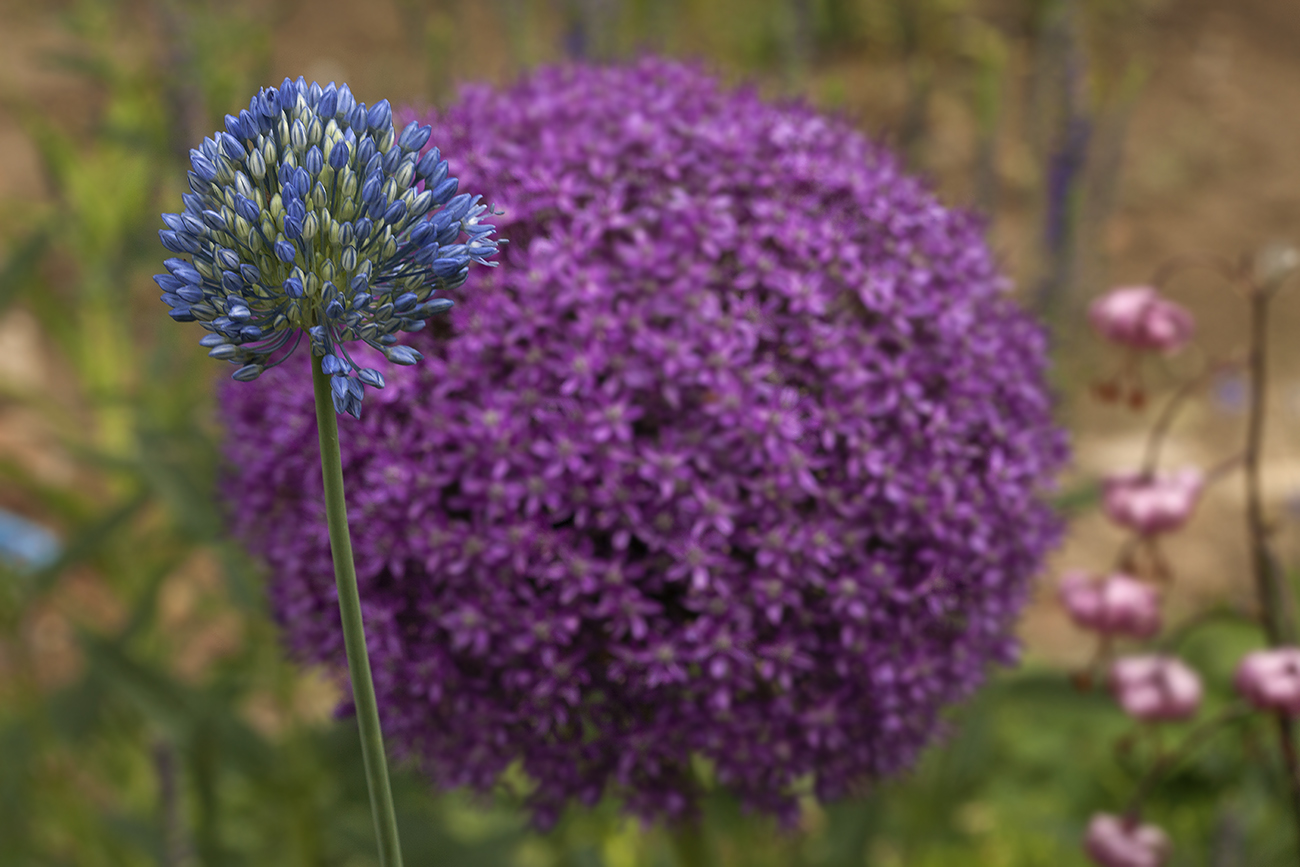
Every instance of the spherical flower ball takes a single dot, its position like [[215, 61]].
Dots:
[[740, 455]]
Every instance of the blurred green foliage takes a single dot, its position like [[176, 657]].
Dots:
[[127, 752]]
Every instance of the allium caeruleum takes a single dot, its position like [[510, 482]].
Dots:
[[741, 455], [310, 213]]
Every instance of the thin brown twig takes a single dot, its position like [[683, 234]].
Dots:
[[1170, 412], [1257, 528]]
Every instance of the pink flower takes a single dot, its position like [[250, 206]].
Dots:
[[1117, 605], [1138, 317], [1113, 841], [1152, 504], [1151, 688], [1270, 679]]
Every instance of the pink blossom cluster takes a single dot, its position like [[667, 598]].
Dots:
[[1117, 841], [1151, 504], [1139, 318], [1155, 688], [1270, 679], [1116, 605]]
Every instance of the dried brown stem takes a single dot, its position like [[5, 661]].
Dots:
[[1266, 585]]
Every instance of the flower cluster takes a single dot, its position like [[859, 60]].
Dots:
[[1140, 318], [1118, 605], [1270, 679], [310, 213], [1150, 504], [742, 456], [1142, 321], [1155, 688], [1117, 841]]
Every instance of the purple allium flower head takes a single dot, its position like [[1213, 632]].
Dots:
[[312, 214], [741, 455]]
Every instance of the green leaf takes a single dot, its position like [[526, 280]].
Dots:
[[20, 265]]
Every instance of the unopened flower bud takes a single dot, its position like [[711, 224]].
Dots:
[[1152, 688], [1114, 841], [1152, 504], [1270, 679], [1117, 605], [1140, 318]]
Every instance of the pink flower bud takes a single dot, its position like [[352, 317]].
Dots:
[[1117, 605], [1152, 504], [1113, 841], [1139, 318], [1153, 688], [1270, 679]]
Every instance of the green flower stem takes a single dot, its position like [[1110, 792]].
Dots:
[[690, 846], [354, 633]]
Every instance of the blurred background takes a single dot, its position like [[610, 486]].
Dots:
[[147, 715]]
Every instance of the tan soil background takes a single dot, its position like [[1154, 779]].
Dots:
[[1211, 163]]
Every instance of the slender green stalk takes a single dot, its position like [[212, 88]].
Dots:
[[354, 633], [690, 847]]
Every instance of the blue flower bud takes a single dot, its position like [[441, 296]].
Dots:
[[359, 120], [292, 228], [329, 102], [168, 282], [434, 174], [203, 166], [360, 300], [171, 241], [347, 102], [231, 281], [380, 116], [371, 377], [314, 93], [284, 251], [395, 212], [190, 294], [298, 136], [247, 373], [414, 136], [250, 124], [247, 208], [338, 384], [391, 161], [363, 228], [235, 128], [231, 146], [313, 162], [332, 364], [370, 189], [444, 268], [214, 220], [223, 351], [293, 288], [334, 309], [339, 155], [403, 355], [405, 301], [212, 340], [445, 190], [438, 305], [182, 314]]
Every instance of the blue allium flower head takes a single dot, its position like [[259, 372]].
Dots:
[[311, 214], [742, 456]]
